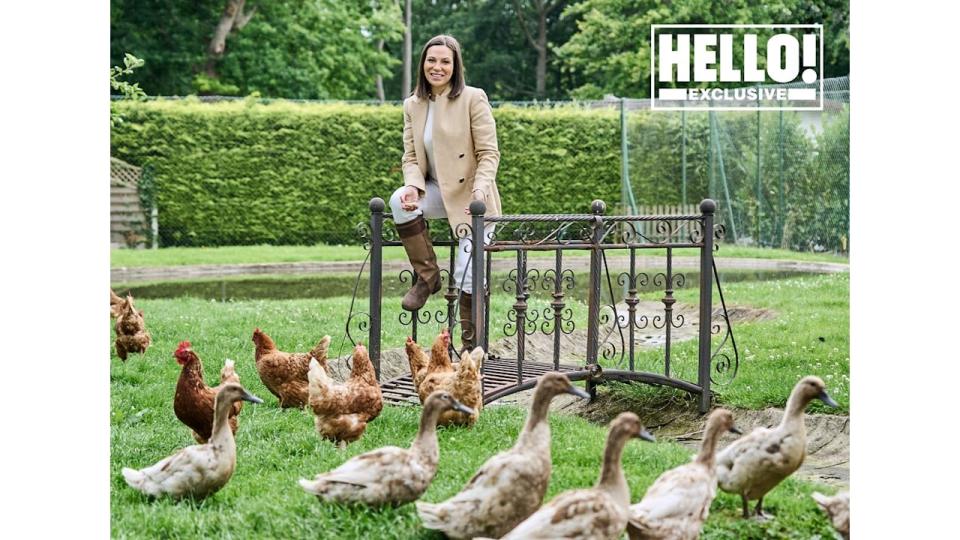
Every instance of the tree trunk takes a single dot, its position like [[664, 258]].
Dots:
[[541, 47], [407, 48], [380, 94], [233, 18]]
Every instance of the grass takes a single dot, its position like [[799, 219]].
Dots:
[[180, 256], [276, 447]]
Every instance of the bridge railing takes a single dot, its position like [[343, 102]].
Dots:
[[617, 327]]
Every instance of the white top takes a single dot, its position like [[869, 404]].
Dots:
[[428, 140]]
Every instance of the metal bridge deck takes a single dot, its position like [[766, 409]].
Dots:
[[500, 376]]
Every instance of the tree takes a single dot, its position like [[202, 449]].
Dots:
[[542, 9], [293, 49], [124, 88], [232, 20], [610, 50]]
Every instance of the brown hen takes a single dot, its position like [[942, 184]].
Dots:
[[439, 363], [193, 400], [343, 410], [284, 373], [131, 330], [464, 384], [116, 304]]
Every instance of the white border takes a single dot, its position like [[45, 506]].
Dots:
[[653, 56]]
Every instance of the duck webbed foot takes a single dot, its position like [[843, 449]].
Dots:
[[760, 515]]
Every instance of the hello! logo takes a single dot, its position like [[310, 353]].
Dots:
[[736, 66]]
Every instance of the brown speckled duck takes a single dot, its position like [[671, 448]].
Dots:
[[755, 463], [509, 486], [598, 513], [678, 502], [201, 469], [838, 508], [389, 475]]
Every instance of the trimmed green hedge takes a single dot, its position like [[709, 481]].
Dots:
[[242, 172]]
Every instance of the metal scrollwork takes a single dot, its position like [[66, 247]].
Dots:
[[361, 322], [365, 233], [696, 232], [724, 366], [463, 230]]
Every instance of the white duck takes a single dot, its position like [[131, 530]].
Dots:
[[510, 485], [201, 469], [678, 502], [754, 464], [389, 475], [597, 513], [838, 508]]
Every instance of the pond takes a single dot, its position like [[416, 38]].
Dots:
[[333, 285]]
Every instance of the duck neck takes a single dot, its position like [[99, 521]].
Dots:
[[793, 413], [425, 445], [536, 418], [708, 448], [612, 479], [222, 434]]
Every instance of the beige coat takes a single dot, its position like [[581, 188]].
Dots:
[[464, 147]]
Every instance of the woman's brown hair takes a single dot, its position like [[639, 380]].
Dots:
[[422, 90]]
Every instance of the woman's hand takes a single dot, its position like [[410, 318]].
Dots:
[[409, 198], [475, 195]]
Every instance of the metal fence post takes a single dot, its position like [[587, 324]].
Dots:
[[376, 269], [593, 315], [707, 208], [477, 210]]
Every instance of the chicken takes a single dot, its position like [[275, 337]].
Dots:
[[343, 410], [464, 383], [389, 475], [116, 304], [283, 373], [193, 400], [198, 470], [678, 502], [131, 330], [421, 366]]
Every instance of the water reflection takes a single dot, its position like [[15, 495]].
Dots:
[[331, 285]]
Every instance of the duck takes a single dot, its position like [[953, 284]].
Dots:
[[389, 475], [597, 513], [509, 486], [199, 470], [678, 502], [838, 508], [754, 464]]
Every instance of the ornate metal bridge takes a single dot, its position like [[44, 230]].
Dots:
[[615, 354]]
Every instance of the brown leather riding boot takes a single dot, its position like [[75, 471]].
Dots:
[[467, 330], [415, 236]]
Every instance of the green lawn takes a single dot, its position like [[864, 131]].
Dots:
[[179, 256], [277, 447]]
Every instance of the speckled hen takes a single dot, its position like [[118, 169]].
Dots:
[[343, 410]]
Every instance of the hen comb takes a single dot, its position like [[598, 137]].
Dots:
[[184, 345]]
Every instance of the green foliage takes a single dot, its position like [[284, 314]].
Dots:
[[293, 49], [245, 173], [610, 51], [124, 88]]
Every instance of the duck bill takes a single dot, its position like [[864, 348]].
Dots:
[[824, 397], [734, 429], [247, 396], [579, 392], [464, 409], [647, 436]]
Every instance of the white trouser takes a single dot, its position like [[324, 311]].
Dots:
[[431, 207]]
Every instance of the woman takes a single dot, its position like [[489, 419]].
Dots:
[[450, 159]]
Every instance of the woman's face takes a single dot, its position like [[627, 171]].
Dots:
[[438, 67]]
